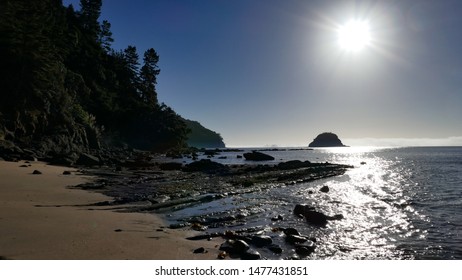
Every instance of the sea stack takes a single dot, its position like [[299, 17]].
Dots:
[[326, 139]]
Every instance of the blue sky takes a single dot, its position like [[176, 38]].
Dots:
[[271, 72]]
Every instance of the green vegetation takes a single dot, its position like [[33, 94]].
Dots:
[[201, 137], [63, 88]]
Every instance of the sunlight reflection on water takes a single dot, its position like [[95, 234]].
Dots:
[[382, 200]]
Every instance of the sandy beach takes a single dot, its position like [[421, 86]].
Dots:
[[41, 218]]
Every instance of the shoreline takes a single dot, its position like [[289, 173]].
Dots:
[[42, 218]]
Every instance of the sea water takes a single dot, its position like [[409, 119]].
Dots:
[[397, 203]]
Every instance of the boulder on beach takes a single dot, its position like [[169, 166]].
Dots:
[[205, 165], [257, 156], [326, 139], [314, 217]]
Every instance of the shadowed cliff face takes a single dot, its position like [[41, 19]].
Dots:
[[326, 139]]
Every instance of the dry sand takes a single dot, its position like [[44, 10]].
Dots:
[[41, 218]]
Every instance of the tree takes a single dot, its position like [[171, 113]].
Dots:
[[105, 36], [148, 75], [89, 14]]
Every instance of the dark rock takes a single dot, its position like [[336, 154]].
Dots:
[[88, 160], [294, 257], [118, 168], [316, 218], [305, 249], [24, 165], [261, 240], [118, 230], [199, 237], [180, 225], [302, 209], [66, 172], [326, 139], [222, 255], [336, 217], [293, 164], [277, 218], [275, 248], [250, 255], [238, 156], [170, 166], [200, 250], [312, 216], [324, 189], [211, 153], [257, 156], [234, 246], [363, 162], [291, 231], [293, 239], [205, 165], [36, 172]]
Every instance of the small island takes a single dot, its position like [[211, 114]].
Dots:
[[326, 139]]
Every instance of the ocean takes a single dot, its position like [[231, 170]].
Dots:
[[397, 203]]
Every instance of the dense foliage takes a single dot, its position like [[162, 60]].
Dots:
[[201, 137], [63, 87]]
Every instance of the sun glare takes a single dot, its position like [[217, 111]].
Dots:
[[354, 35]]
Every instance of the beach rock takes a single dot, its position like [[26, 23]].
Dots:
[[302, 209], [326, 139], [275, 248], [324, 189], [316, 218], [294, 257], [66, 172], [205, 165], [277, 218], [336, 217], [291, 231], [36, 172], [200, 250], [261, 240], [250, 255], [293, 164], [234, 246], [222, 255], [305, 249], [170, 166], [88, 160], [293, 239], [312, 216], [257, 156]]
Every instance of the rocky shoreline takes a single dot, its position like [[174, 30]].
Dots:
[[144, 182], [153, 183]]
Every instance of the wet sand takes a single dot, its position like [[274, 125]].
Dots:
[[41, 218]]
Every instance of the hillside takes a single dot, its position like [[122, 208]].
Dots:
[[201, 137], [64, 90]]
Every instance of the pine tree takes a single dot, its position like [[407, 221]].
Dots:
[[105, 36], [148, 75], [89, 14]]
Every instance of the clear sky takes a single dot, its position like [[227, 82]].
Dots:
[[271, 72]]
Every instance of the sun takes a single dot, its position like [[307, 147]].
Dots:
[[354, 36]]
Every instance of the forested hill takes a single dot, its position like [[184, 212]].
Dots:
[[64, 89], [201, 137]]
